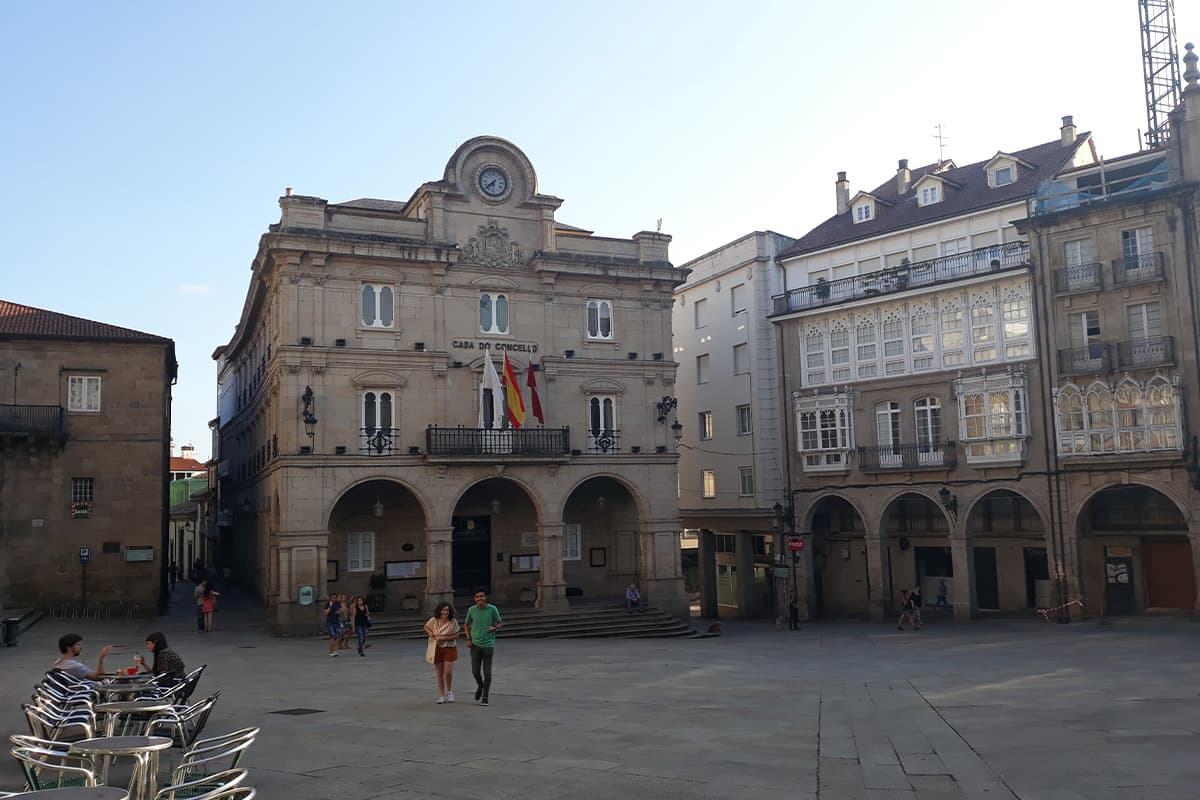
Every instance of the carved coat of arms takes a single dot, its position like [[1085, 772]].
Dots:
[[492, 247]]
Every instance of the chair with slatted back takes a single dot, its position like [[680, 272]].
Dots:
[[183, 723], [209, 787]]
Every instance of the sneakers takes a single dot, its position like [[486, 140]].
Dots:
[[440, 700], [334, 654], [449, 697], [478, 693], [483, 701]]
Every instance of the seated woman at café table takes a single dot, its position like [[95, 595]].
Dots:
[[71, 646], [166, 660]]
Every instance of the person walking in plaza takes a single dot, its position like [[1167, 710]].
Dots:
[[906, 612], [208, 604], [360, 620], [942, 596], [173, 574], [443, 628], [198, 570], [633, 599], [793, 612], [70, 647], [166, 661], [344, 631], [332, 625], [916, 601], [483, 620], [198, 596]]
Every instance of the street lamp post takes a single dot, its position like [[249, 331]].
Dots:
[[785, 522]]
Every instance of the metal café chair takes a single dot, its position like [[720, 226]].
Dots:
[[183, 724], [210, 787], [215, 755], [53, 769], [65, 727], [25, 740]]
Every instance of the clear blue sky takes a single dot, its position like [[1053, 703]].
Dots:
[[146, 144]]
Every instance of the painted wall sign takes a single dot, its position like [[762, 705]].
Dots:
[[509, 347]]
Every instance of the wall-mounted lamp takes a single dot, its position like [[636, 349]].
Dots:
[[495, 505], [601, 503], [677, 429], [307, 415], [665, 406], [949, 501], [377, 509]]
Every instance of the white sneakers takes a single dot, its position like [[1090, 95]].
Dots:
[[441, 700], [449, 697]]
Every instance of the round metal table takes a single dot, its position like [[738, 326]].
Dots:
[[113, 711], [143, 748], [75, 793]]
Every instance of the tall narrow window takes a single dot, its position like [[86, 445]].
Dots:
[[378, 306], [737, 298], [928, 412], [376, 411], [1015, 313], [814, 355], [893, 345], [702, 368], [839, 352], [599, 319], [360, 551], [1136, 243], [741, 359], [952, 335], [921, 332], [700, 310], [708, 484], [1145, 320], [866, 350], [983, 331], [602, 424], [744, 422], [706, 425], [745, 481], [887, 433], [83, 393], [493, 312]]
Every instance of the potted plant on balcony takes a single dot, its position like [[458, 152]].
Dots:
[[377, 597], [821, 290]]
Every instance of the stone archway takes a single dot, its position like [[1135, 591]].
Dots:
[[1009, 557], [917, 548], [495, 543], [377, 528], [840, 584], [600, 542], [1134, 552]]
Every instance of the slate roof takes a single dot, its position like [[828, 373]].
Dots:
[[372, 204], [26, 322], [974, 195]]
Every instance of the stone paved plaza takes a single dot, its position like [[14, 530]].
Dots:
[[997, 709]]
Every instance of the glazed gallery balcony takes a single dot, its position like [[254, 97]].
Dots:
[[492, 443], [947, 269], [923, 455], [31, 424]]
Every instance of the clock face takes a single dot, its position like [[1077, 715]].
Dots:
[[493, 182]]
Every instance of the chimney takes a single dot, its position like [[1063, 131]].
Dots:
[[188, 451], [903, 177], [843, 193], [1068, 131]]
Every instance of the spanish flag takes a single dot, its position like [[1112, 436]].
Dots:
[[516, 406]]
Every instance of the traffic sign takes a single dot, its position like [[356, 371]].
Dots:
[[795, 543], [85, 555]]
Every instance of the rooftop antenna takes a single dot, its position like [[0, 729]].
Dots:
[[942, 140], [1160, 66], [659, 228]]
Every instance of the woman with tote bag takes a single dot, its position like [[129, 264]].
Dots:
[[442, 650]]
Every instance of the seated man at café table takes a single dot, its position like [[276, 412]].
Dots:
[[71, 646]]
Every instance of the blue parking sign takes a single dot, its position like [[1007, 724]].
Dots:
[[85, 555]]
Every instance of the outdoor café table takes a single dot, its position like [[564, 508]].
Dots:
[[126, 688], [147, 746], [113, 711], [74, 793]]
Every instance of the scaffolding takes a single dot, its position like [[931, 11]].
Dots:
[[1160, 65]]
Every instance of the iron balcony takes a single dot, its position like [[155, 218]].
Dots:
[[1137, 268], [493, 443], [1089, 359], [1079, 278], [923, 455], [1157, 351], [31, 424]]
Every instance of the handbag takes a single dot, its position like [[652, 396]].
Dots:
[[431, 650]]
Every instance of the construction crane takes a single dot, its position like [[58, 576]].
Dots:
[[1160, 65]]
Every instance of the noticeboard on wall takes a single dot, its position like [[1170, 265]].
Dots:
[[530, 562], [404, 570], [139, 553]]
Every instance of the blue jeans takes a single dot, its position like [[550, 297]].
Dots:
[[334, 629], [631, 604], [361, 630]]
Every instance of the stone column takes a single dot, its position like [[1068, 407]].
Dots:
[[1194, 539], [806, 583], [879, 601], [708, 574], [661, 572], [302, 562], [552, 587], [438, 583], [962, 556], [744, 559]]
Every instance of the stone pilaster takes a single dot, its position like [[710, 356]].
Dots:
[[438, 583], [708, 574], [661, 573], [1194, 539], [302, 557], [552, 588], [962, 556], [881, 589]]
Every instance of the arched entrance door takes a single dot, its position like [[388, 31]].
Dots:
[[1134, 552], [494, 543], [377, 528], [1008, 543], [841, 579], [917, 550], [601, 552]]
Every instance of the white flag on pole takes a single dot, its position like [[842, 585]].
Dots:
[[491, 381]]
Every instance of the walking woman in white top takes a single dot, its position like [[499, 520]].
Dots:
[[443, 629]]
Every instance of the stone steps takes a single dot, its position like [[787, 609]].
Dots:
[[584, 622]]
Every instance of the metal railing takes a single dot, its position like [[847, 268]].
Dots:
[[379, 441], [493, 442], [1079, 278], [1083, 360], [1137, 268], [907, 456], [604, 441], [1157, 351], [31, 419], [903, 277]]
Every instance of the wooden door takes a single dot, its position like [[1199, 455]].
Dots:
[[1170, 576]]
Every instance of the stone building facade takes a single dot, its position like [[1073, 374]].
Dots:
[[84, 452], [361, 430]]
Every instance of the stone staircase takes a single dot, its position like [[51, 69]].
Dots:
[[592, 621]]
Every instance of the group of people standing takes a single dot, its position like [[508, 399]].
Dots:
[[345, 617]]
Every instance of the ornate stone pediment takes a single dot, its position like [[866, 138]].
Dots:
[[492, 247]]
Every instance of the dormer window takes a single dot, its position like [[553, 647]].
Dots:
[[1003, 176], [930, 194], [863, 212]]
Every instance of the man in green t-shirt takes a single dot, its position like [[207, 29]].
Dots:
[[483, 620]]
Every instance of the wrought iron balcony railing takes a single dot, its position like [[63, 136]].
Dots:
[[906, 276], [1157, 351], [492, 442], [1079, 278], [604, 441], [31, 419], [907, 456], [379, 441], [1137, 268], [1085, 360]]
